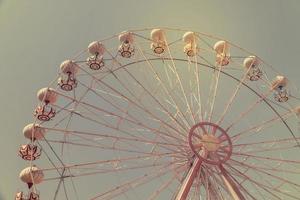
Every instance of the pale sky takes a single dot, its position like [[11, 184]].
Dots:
[[37, 35]]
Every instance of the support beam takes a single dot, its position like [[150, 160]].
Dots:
[[231, 185], [188, 181]]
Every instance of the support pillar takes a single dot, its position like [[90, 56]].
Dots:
[[231, 185], [188, 181]]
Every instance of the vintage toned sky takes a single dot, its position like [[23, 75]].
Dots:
[[36, 35]]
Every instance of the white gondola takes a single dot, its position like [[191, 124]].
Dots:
[[67, 80], [126, 48], [45, 112], [279, 85], [251, 65], [190, 47], [96, 50], [31, 151], [222, 53], [158, 44]]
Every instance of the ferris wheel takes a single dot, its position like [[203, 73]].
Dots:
[[164, 114]]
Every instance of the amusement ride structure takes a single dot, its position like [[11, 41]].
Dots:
[[164, 114]]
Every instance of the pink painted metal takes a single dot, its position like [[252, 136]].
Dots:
[[188, 182], [223, 150], [231, 185]]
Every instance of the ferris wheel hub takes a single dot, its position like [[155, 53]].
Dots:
[[210, 143]]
